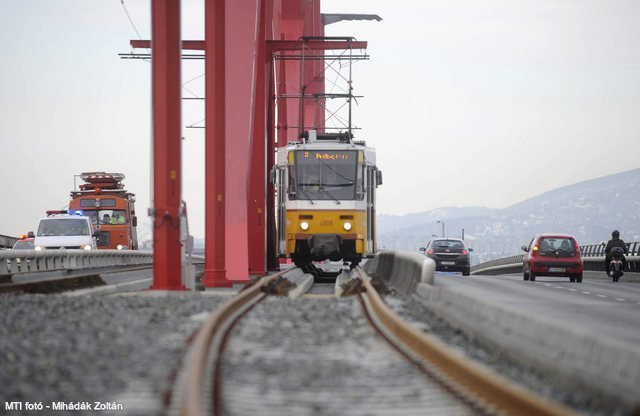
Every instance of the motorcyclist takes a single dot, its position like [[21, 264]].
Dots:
[[614, 242]]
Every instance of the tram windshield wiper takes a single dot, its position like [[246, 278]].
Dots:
[[338, 184], [323, 188], [301, 187]]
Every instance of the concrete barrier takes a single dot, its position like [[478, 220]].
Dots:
[[597, 364], [404, 270]]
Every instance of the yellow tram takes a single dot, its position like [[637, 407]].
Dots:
[[326, 186]]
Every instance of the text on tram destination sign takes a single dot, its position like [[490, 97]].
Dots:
[[328, 155]]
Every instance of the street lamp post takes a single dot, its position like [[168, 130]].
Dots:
[[441, 222]]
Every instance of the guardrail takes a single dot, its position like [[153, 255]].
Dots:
[[32, 261], [7, 241], [592, 254], [597, 250]]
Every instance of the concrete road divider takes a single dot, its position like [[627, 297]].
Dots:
[[404, 270], [596, 363]]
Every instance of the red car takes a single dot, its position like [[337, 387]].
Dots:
[[552, 255]]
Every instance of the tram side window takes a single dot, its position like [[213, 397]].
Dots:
[[292, 182], [360, 182]]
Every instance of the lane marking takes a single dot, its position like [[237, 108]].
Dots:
[[584, 292]]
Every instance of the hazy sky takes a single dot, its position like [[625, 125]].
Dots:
[[468, 103]]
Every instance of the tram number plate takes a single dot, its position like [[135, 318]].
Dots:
[[448, 263], [326, 223], [557, 269]]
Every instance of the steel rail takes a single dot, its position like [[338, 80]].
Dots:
[[484, 384], [193, 404]]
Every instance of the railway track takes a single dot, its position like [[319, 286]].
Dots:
[[259, 354]]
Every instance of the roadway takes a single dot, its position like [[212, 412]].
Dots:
[[596, 305], [103, 280], [109, 276]]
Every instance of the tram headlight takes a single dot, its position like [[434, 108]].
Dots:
[[86, 247], [347, 226], [304, 225]]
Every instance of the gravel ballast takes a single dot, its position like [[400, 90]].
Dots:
[[121, 349], [125, 349], [321, 357]]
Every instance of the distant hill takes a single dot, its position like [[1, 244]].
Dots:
[[589, 210]]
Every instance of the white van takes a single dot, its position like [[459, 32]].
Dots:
[[64, 230]]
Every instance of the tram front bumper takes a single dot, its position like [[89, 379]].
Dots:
[[325, 246]]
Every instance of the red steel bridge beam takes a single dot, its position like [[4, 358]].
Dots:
[[312, 82], [275, 45], [215, 115], [227, 237], [186, 44], [289, 78], [259, 242], [246, 209], [166, 145], [258, 185]]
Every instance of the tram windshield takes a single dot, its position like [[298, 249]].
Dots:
[[325, 175]]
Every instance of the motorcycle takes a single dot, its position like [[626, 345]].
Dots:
[[616, 265]]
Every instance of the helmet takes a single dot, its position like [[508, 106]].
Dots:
[[615, 234]]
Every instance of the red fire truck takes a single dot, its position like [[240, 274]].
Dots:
[[110, 207]]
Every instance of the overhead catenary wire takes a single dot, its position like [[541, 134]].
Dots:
[[130, 19], [338, 86], [135, 29], [147, 58]]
